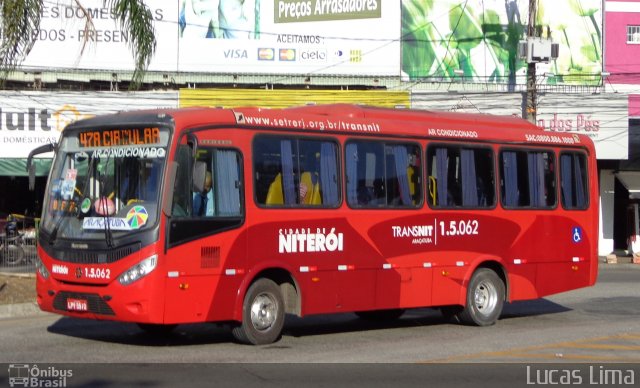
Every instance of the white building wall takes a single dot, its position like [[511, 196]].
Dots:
[[605, 241]]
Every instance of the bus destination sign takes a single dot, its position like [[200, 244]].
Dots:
[[119, 137]]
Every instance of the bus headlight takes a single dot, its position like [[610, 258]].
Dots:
[[138, 271], [40, 267]]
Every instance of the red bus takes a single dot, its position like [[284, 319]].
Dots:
[[244, 215]]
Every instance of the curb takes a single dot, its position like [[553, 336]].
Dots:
[[605, 266], [20, 310], [23, 275]]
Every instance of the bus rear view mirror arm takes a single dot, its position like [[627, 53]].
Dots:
[[31, 168]]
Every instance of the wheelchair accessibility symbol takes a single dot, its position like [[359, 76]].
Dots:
[[576, 234]]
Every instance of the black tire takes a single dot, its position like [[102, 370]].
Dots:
[[156, 329], [485, 299], [12, 254], [380, 315], [450, 313], [262, 314]]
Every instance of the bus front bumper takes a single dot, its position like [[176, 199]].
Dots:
[[141, 302]]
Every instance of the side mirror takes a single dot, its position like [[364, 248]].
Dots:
[[31, 168], [169, 187]]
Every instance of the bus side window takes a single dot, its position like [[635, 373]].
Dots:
[[484, 180], [383, 175], [295, 172], [403, 175], [227, 183], [443, 160], [461, 177], [573, 181], [528, 179], [267, 180], [365, 181]]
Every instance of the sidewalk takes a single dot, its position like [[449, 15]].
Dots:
[[17, 295]]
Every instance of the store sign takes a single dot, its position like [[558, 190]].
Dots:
[[31, 119], [604, 118]]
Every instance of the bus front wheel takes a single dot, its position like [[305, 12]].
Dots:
[[485, 298], [262, 314]]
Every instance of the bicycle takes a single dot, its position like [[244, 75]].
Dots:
[[12, 244]]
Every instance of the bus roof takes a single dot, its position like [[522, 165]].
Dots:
[[403, 114], [346, 118], [357, 119]]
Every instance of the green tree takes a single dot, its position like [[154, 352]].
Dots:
[[20, 21]]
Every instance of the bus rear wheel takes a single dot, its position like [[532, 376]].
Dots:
[[485, 299], [262, 314]]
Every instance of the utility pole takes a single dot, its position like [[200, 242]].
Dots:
[[532, 103]]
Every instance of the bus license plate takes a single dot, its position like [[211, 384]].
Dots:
[[77, 305]]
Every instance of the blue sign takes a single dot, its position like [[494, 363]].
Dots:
[[576, 234]]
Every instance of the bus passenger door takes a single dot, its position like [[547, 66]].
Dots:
[[206, 255]]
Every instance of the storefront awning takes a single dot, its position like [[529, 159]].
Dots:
[[18, 167], [631, 181]]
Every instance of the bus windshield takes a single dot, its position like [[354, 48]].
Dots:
[[105, 182]]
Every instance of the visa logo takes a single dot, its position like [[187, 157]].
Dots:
[[236, 54]]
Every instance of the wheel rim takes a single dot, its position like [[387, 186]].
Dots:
[[264, 311], [13, 254], [485, 298]]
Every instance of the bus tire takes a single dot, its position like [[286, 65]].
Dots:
[[12, 254], [380, 315], [485, 299], [262, 314], [450, 313]]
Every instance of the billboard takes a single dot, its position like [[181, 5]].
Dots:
[[31, 119], [478, 40], [65, 41], [313, 37], [310, 37]]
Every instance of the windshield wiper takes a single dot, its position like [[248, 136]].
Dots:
[[103, 201], [54, 232], [87, 182]]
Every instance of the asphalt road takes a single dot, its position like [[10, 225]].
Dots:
[[595, 325]]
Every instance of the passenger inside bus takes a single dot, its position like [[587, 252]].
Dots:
[[203, 202], [274, 195], [296, 172], [310, 181], [308, 184]]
